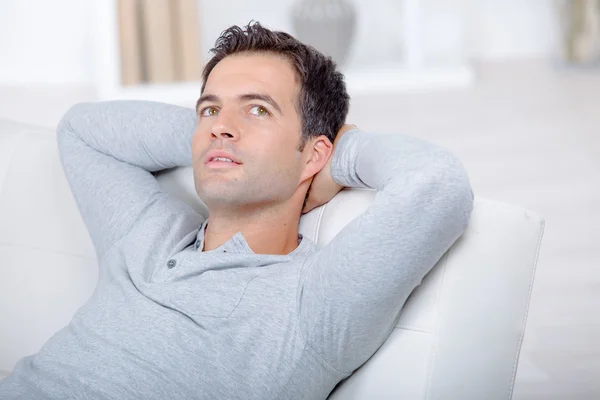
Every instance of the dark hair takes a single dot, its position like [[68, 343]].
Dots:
[[323, 101]]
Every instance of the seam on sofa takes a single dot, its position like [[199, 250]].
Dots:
[[413, 329], [437, 307], [524, 325], [318, 224], [511, 207]]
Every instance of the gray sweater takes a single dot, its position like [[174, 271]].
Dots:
[[168, 321]]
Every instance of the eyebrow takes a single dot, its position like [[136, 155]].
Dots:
[[244, 97]]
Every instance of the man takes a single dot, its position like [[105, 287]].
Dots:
[[240, 306]]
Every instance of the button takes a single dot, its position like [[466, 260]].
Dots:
[[197, 243], [171, 263]]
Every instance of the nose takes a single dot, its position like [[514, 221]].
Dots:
[[225, 126]]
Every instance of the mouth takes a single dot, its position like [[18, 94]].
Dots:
[[222, 162]]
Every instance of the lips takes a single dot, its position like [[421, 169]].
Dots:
[[215, 154]]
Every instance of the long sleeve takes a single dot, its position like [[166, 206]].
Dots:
[[351, 291], [110, 149]]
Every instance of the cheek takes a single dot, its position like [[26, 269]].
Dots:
[[286, 161], [199, 143]]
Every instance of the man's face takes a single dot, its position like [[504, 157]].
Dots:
[[248, 112]]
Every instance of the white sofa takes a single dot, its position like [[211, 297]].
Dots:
[[459, 335]]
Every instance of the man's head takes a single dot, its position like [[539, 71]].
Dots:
[[274, 105]]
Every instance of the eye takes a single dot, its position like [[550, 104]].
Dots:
[[209, 111], [259, 110]]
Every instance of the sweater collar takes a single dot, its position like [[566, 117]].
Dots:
[[238, 244]]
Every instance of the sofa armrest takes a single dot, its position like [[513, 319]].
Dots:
[[460, 332]]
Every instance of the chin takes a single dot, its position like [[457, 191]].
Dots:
[[218, 197]]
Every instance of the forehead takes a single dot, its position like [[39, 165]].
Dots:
[[253, 72]]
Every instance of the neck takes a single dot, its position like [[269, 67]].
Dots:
[[273, 231]]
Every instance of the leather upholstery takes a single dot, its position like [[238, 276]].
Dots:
[[459, 335]]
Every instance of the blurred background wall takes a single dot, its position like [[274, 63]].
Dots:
[[53, 41]]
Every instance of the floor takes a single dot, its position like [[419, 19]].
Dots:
[[529, 134]]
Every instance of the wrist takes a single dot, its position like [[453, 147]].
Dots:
[[336, 148]]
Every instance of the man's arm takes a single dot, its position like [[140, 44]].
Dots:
[[351, 292], [110, 149]]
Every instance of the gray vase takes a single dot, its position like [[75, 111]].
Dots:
[[327, 25]]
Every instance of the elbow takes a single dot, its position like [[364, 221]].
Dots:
[[74, 113], [453, 189], [66, 129]]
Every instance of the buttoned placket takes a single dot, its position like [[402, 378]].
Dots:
[[173, 262]]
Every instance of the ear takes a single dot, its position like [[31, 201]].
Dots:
[[316, 154]]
